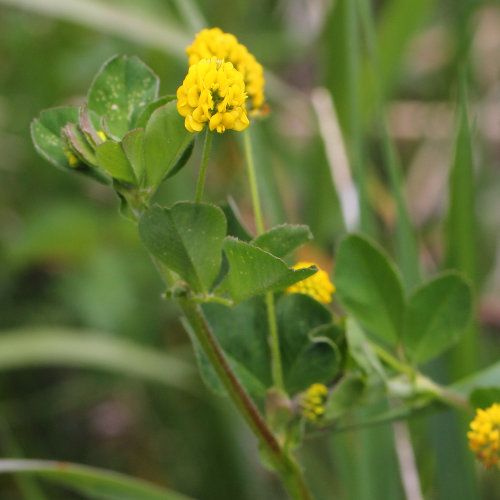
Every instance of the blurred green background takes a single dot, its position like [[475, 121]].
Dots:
[[69, 264]]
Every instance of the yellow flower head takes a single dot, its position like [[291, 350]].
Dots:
[[214, 92], [224, 46], [312, 403], [317, 286], [484, 436]]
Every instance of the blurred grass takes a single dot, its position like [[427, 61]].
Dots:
[[164, 34], [28, 486], [355, 130], [79, 349], [399, 21], [67, 259], [92, 482], [461, 241], [406, 242], [461, 227]]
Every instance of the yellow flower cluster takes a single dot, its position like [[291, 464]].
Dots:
[[214, 92], [317, 286], [312, 403], [484, 436], [224, 46]]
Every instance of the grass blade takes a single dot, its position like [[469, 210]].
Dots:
[[449, 429], [461, 250], [336, 155], [164, 35], [399, 22], [355, 118], [406, 244], [80, 349], [28, 486], [191, 14], [90, 481]]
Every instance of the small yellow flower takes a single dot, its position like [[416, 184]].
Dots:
[[312, 402], [224, 46], [72, 159], [214, 92], [317, 286], [484, 436], [102, 136]]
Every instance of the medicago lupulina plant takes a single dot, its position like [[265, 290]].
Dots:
[[261, 326]]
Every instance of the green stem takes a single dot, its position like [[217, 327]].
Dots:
[[203, 168], [423, 383], [282, 462], [393, 362], [219, 362], [252, 178], [443, 394], [274, 343]]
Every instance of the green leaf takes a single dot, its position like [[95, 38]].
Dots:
[[46, 133], [90, 481], [79, 145], [188, 239], [113, 159], [253, 271], [331, 331], [235, 226], [436, 316], [361, 350], [133, 147], [165, 141], [242, 333], [58, 347], [182, 160], [150, 108], [369, 287], [284, 239], [485, 397], [121, 90], [345, 397], [306, 356]]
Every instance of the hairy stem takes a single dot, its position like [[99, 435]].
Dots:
[[283, 463]]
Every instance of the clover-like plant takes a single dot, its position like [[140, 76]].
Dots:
[[260, 326]]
